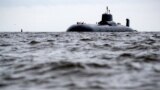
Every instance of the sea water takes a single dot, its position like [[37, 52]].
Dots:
[[80, 61]]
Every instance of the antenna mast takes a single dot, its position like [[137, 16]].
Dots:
[[107, 10]]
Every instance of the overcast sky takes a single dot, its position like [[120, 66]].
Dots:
[[58, 15]]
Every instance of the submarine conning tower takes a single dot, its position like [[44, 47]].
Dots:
[[106, 17]]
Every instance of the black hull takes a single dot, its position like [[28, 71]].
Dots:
[[99, 28]]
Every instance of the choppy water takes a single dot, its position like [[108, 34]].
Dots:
[[80, 61]]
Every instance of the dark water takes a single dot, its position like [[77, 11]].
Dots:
[[80, 61]]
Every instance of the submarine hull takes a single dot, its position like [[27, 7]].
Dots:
[[99, 28]]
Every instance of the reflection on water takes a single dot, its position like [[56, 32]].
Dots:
[[80, 61]]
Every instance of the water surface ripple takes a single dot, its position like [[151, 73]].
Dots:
[[80, 61]]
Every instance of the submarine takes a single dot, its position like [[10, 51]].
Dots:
[[105, 25]]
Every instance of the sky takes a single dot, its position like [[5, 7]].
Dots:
[[58, 15]]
